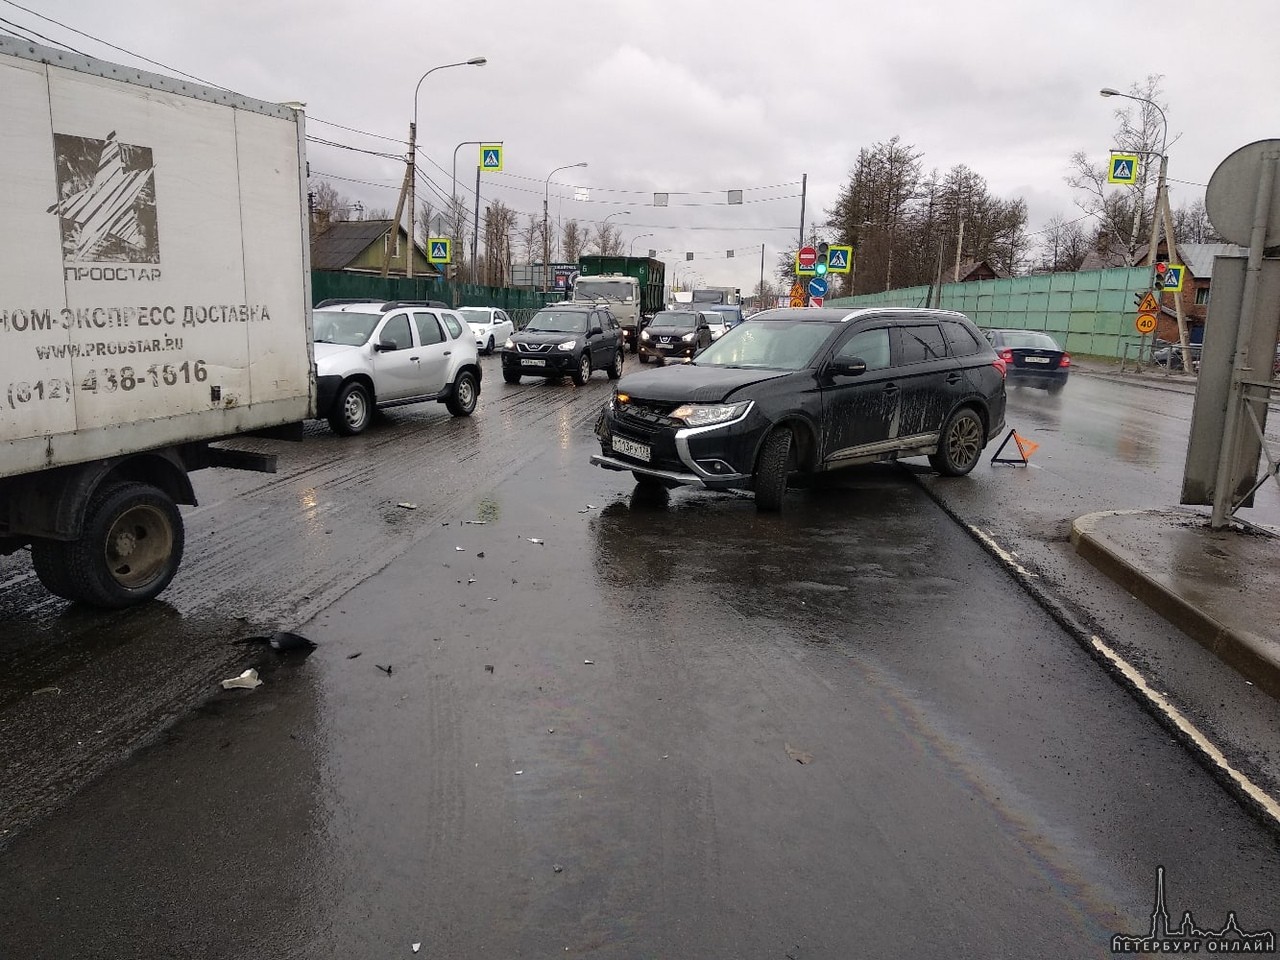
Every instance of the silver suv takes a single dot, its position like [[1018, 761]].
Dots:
[[375, 355]]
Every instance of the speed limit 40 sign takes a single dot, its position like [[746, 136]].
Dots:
[[1146, 323]]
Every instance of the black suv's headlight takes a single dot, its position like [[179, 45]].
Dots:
[[707, 414]]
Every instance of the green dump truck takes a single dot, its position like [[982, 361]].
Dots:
[[632, 286]]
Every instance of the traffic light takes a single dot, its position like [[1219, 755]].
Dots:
[[1162, 273], [820, 265]]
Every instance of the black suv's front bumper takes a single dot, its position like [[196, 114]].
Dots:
[[548, 363], [717, 457]]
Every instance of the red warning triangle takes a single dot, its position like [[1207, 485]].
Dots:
[[1025, 447]]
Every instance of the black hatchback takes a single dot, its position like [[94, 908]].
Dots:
[[798, 391]]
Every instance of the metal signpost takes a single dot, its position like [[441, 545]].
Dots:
[[1228, 422]]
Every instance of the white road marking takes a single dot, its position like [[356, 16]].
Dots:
[[1254, 792], [1002, 553]]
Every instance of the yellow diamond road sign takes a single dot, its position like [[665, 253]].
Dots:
[[1123, 168], [491, 157]]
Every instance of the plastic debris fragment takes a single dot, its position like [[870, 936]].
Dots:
[[246, 681], [407, 506]]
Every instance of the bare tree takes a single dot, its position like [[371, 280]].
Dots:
[[499, 226], [1191, 224], [572, 240], [606, 240], [531, 238], [327, 204], [1063, 246], [377, 213], [1124, 214]]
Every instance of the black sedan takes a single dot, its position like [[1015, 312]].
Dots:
[[675, 335], [1032, 358], [802, 391]]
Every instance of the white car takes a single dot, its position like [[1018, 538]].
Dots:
[[490, 325], [372, 355], [718, 326]]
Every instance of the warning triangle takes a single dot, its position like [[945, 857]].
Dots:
[[1148, 304], [1025, 447]]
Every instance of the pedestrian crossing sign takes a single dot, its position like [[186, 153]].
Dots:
[[491, 157], [439, 250], [839, 258], [1123, 169]]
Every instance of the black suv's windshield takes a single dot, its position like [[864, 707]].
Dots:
[[346, 327], [557, 321], [677, 320], [768, 344]]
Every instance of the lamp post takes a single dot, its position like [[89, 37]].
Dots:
[[546, 236], [632, 251], [413, 154], [1160, 209], [604, 228]]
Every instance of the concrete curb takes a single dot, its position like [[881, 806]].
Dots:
[[1233, 647]]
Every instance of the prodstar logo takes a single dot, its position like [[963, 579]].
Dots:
[[106, 207], [1189, 938]]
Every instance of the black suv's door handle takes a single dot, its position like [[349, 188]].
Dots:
[[890, 388], [953, 378]]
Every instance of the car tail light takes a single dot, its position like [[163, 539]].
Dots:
[[1065, 361], [999, 364], [1006, 355]]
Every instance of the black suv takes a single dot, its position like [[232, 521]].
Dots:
[[572, 338], [675, 335], [808, 390]]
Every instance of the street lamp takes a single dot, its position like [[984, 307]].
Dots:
[[413, 153], [454, 194], [632, 251], [546, 236], [1157, 211], [604, 227]]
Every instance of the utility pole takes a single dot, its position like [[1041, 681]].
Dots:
[[959, 246], [760, 289], [804, 190], [412, 174], [475, 227], [394, 239]]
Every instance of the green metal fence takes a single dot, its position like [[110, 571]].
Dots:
[[1089, 313], [327, 285]]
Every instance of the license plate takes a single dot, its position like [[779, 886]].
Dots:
[[530, 363], [630, 448], [1035, 359]]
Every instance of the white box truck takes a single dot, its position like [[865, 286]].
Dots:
[[154, 299]]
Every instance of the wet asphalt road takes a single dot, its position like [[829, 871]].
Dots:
[[976, 786]]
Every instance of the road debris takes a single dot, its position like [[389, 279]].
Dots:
[[551, 729], [488, 667], [407, 506], [416, 947], [480, 554], [518, 772], [246, 681], [352, 656], [55, 690], [494, 599], [459, 549], [589, 662], [386, 669], [799, 756], [476, 523], [471, 579], [537, 540], [282, 641], [557, 868]]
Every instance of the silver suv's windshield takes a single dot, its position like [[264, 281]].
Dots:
[[472, 315], [615, 290], [557, 321], [342, 326], [767, 344]]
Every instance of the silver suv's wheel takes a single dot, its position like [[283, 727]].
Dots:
[[465, 394], [352, 411]]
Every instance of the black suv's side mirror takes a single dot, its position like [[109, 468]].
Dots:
[[385, 345], [596, 332], [848, 367]]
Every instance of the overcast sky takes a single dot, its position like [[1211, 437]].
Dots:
[[698, 97]]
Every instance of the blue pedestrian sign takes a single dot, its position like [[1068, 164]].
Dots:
[[839, 258], [818, 287], [491, 157], [1123, 168], [439, 250]]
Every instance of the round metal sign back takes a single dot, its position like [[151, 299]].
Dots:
[[1232, 196]]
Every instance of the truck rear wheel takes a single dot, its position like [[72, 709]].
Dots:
[[129, 550]]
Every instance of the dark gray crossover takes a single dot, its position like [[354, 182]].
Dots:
[[798, 391]]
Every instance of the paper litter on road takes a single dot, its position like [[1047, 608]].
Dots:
[[246, 681], [799, 756], [459, 549], [417, 947], [589, 662], [408, 506], [476, 523], [534, 539]]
